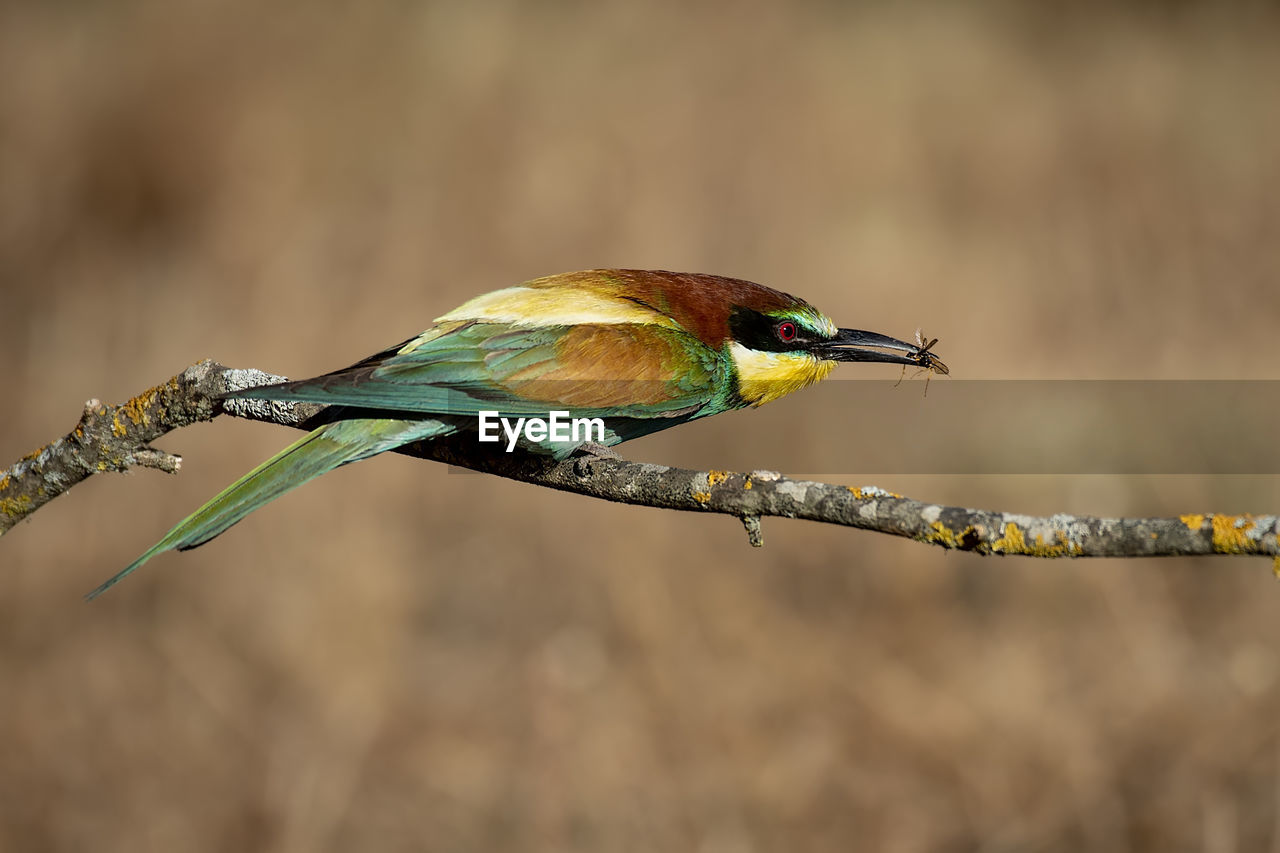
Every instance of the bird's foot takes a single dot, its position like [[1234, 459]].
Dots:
[[592, 448]]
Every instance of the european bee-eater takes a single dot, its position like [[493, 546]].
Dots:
[[640, 350]]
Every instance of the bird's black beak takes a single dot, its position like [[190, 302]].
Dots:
[[848, 345]]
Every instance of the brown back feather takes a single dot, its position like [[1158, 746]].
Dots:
[[697, 301]]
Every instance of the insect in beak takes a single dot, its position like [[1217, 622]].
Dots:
[[925, 360]]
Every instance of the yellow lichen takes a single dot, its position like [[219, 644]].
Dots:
[[15, 507], [714, 478], [1193, 522], [1230, 534], [872, 493], [943, 535], [747, 484], [702, 497], [1011, 542], [136, 409], [1061, 548], [1014, 542]]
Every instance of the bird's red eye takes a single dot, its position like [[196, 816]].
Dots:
[[787, 332]]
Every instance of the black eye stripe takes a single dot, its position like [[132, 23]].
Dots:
[[764, 333]]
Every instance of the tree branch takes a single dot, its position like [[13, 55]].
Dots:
[[114, 438]]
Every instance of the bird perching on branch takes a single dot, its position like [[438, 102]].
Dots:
[[635, 350]]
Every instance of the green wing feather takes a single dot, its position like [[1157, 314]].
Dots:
[[314, 454], [479, 367]]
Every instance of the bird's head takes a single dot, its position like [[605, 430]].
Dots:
[[778, 342], [780, 345]]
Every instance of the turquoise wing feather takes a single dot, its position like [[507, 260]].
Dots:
[[527, 370], [314, 454]]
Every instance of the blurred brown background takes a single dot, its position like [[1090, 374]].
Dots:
[[399, 657]]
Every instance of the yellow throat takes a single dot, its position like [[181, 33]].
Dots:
[[766, 376]]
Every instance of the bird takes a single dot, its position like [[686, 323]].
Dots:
[[637, 350]]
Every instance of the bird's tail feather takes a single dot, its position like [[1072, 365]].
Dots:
[[314, 454]]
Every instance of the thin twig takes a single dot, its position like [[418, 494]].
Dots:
[[113, 438]]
